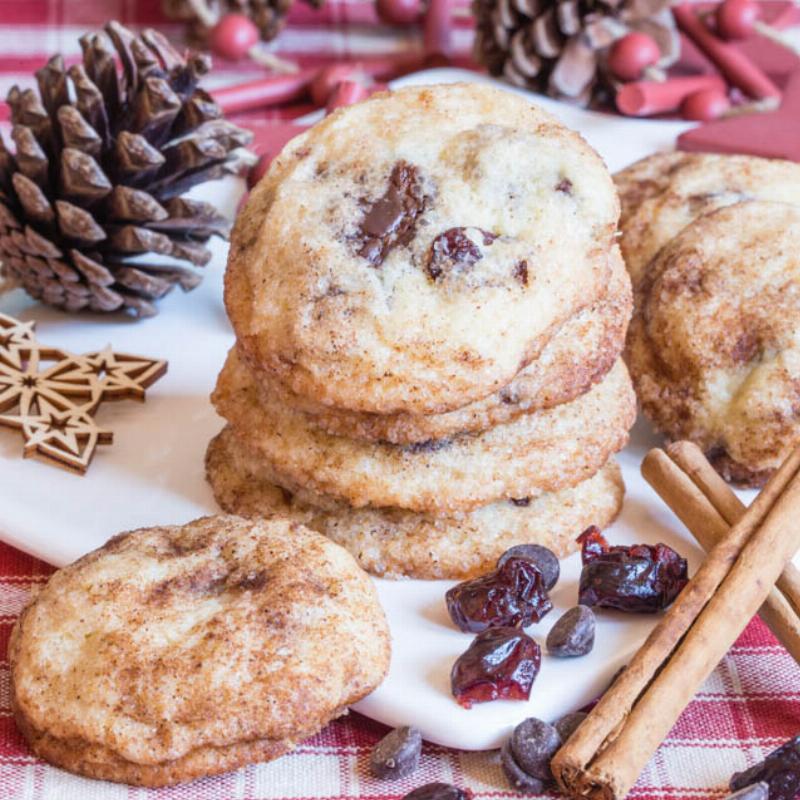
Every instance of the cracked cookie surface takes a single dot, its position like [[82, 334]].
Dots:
[[714, 347], [663, 193], [175, 652], [577, 356]]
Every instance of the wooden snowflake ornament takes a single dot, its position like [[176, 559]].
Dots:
[[51, 395]]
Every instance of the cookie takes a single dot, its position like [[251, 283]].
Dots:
[[579, 354], [714, 349], [410, 254], [395, 543], [664, 193], [176, 652], [545, 451]]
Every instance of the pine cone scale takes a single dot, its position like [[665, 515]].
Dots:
[[558, 46]]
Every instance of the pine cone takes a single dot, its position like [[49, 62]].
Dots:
[[269, 16], [97, 180], [560, 48]]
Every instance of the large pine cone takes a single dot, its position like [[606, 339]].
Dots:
[[560, 47], [97, 180]]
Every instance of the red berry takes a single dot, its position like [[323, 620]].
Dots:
[[399, 12], [737, 18], [346, 93], [327, 79], [631, 54], [233, 37], [705, 105]]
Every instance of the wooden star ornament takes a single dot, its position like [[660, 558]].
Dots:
[[51, 395]]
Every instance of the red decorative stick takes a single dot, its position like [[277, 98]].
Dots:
[[273, 90], [732, 63], [646, 98], [438, 28]]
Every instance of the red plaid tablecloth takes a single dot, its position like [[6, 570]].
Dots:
[[749, 705]]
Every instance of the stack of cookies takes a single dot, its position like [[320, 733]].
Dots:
[[712, 243], [430, 309]]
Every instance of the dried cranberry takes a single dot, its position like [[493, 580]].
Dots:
[[641, 578], [454, 248], [780, 769], [512, 595], [500, 663], [391, 219]]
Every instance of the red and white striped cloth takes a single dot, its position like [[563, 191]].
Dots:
[[749, 706]]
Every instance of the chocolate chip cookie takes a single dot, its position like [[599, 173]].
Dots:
[[578, 355], [177, 652], [392, 543], [412, 253], [545, 451], [714, 347], [664, 193]]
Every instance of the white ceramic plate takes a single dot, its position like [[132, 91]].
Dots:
[[153, 474]]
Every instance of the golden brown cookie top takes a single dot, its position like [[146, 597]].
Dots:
[[408, 253], [168, 640], [664, 193], [715, 346]]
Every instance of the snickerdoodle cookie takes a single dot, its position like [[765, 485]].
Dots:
[[391, 542], [664, 193], [412, 253], [176, 652], [714, 347], [540, 452], [579, 354]]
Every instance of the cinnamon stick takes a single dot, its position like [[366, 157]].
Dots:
[[691, 487], [689, 457], [605, 755]]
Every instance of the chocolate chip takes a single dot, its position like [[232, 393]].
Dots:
[[543, 559], [533, 744], [438, 791], [521, 272], [517, 777], [573, 634], [756, 791], [428, 446], [567, 725], [521, 502], [564, 185], [391, 219], [397, 754], [455, 249]]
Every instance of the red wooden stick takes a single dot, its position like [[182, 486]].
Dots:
[[273, 90], [732, 63], [645, 98]]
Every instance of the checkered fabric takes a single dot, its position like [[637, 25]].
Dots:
[[749, 705]]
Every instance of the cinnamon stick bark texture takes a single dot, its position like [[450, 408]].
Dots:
[[606, 754], [689, 457], [677, 475]]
